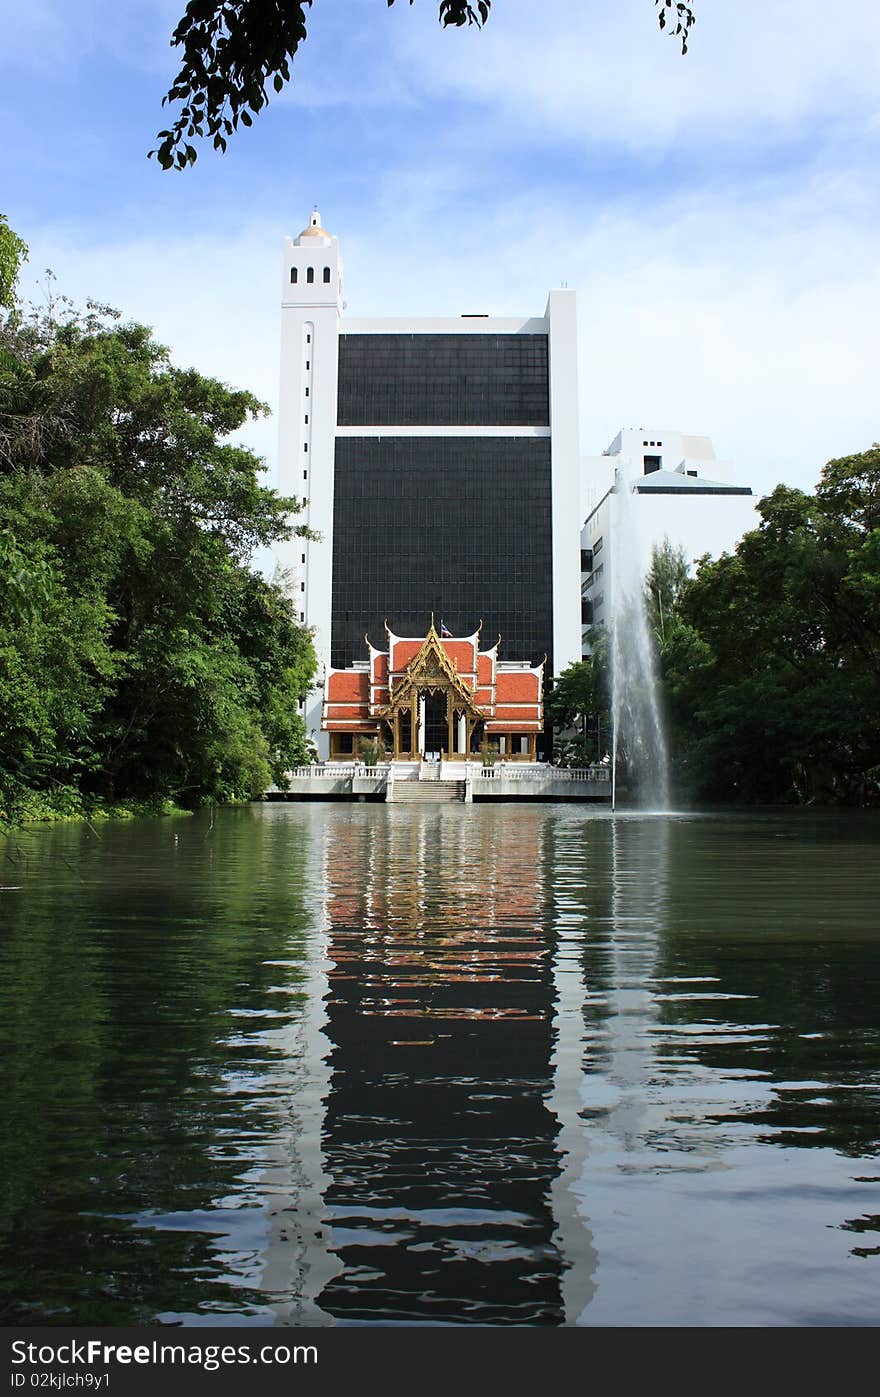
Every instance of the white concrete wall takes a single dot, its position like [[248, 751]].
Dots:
[[566, 478], [698, 524], [448, 325]]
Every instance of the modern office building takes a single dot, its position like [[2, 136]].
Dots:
[[683, 494], [438, 461]]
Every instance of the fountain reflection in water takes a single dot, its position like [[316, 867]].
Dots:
[[639, 743]]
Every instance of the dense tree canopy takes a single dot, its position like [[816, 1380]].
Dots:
[[141, 658], [233, 49], [771, 661]]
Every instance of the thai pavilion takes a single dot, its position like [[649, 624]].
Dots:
[[436, 695]]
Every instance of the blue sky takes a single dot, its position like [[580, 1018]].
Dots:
[[718, 214]]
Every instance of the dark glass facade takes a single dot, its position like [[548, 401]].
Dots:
[[442, 380], [428, 1176], [460, 526]]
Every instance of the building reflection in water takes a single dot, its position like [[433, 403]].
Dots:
[[443, 1161], [559, 1079], [486, 1018]]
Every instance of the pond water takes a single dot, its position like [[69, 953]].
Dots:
[[491, 1064]]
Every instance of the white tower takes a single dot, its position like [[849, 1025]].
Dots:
[[311, 307]]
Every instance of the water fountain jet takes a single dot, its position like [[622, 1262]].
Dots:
[[636, 721]]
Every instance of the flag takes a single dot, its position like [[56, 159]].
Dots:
[[445, 631]]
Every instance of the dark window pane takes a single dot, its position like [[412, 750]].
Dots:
[[457, 526], [439, 380]]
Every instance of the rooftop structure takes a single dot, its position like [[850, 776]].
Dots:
[[685, 495]]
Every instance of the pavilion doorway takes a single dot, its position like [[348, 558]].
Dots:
[[436, 723]]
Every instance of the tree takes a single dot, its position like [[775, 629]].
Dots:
[[579, 700], [233, 49], [12, 253], [140, 656], [772, 668], [665, 580]]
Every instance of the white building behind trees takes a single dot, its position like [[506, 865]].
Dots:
[[684, 494]]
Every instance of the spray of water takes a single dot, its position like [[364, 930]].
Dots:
[[639, 742]]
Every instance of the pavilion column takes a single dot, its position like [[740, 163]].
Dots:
[[414, 735], [396, 733], [450, 723], [463, 743], [532, 746]]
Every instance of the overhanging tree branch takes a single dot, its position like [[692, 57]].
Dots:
[[234, 49]]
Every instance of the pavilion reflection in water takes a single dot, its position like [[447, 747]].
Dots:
[[440, 1152]]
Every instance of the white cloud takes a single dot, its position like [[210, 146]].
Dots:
[[602, 72], [752, 322], [213, 300], [711, 298]]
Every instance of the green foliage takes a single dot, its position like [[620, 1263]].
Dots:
[[579, 701], [489, 755], [771, 657], [663, 586], [140, 657], [577, 752], [233, 50], [12, 253], [369, 753]]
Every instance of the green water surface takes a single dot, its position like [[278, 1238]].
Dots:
[[495, 1064]]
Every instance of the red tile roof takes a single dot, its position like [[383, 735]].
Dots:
[[348, 684], [521, 686], [484, 669]]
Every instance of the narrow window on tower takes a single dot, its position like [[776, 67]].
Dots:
[[293, 276], [307, 419], [326, 276], [307, 391], [308, 364], [305, 446], [310, 275], [308, 339], [305, 475]]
